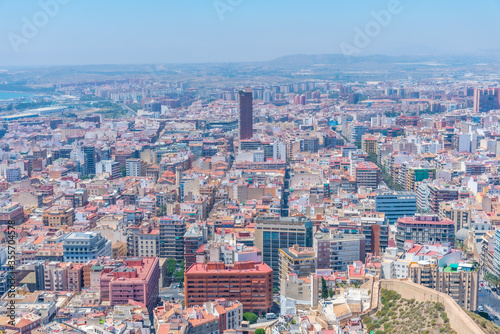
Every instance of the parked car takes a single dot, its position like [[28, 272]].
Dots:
[[480, 308]]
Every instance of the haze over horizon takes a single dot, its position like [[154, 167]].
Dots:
[[196, 31]]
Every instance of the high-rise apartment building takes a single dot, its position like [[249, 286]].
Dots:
[[458, 280], [172, 230], [297, 260], [89, 158], [486, 99], [496, 252], [248, 282], [279, 150], [369, 144], [273, 233], [457, 211], [425, 229], [56, 276], [111, 167], [12, 174], [439, 194], [135, 167], [57, 217], [193, 239], [246, 114], [336, 251], [133, 278], [367, 174]]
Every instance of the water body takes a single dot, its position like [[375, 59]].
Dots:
[[13, 95]]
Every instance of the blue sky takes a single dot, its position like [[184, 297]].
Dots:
[[180, 31]]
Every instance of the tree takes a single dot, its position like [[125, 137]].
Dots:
[[391, 114], [373, 158], [492, 279], [171, 266], [124, 171], [163, 210], [331, 293], [250, 317], [179, 275], [324, 289], [260, 331]]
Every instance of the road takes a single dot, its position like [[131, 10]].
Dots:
[[490, 300], [168, 293], [130, 111], [263, 324]]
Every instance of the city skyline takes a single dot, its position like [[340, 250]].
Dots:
[[249, 166]]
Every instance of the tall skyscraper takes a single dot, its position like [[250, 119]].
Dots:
[[89, 155], [246, 114]]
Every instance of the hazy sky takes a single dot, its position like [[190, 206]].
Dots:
[[180, 31]]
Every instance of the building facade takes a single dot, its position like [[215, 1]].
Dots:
[[133, 279], [81, 247], [336, 251], [247, 282], [272, 233], [460, 283], [367, 175], [246, 114], [56, 217], [172, 230], [297, 260], [396, 204], [425, 229], [13, 211]]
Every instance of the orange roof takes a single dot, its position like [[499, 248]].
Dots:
[[39, 240]]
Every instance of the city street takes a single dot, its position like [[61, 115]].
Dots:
[[168, 293], [490, 300]]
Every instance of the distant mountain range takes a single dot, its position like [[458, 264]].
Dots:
[[290, 67], [339, 59]]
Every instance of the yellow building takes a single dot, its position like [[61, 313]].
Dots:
[[297, 260], [56, 217], [118, 249], [369, 144]]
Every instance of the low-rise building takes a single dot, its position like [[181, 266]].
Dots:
[[209, 318], [12, 211], [85, 246], [57, 217]]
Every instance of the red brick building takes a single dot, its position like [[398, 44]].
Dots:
[[247, 282]]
